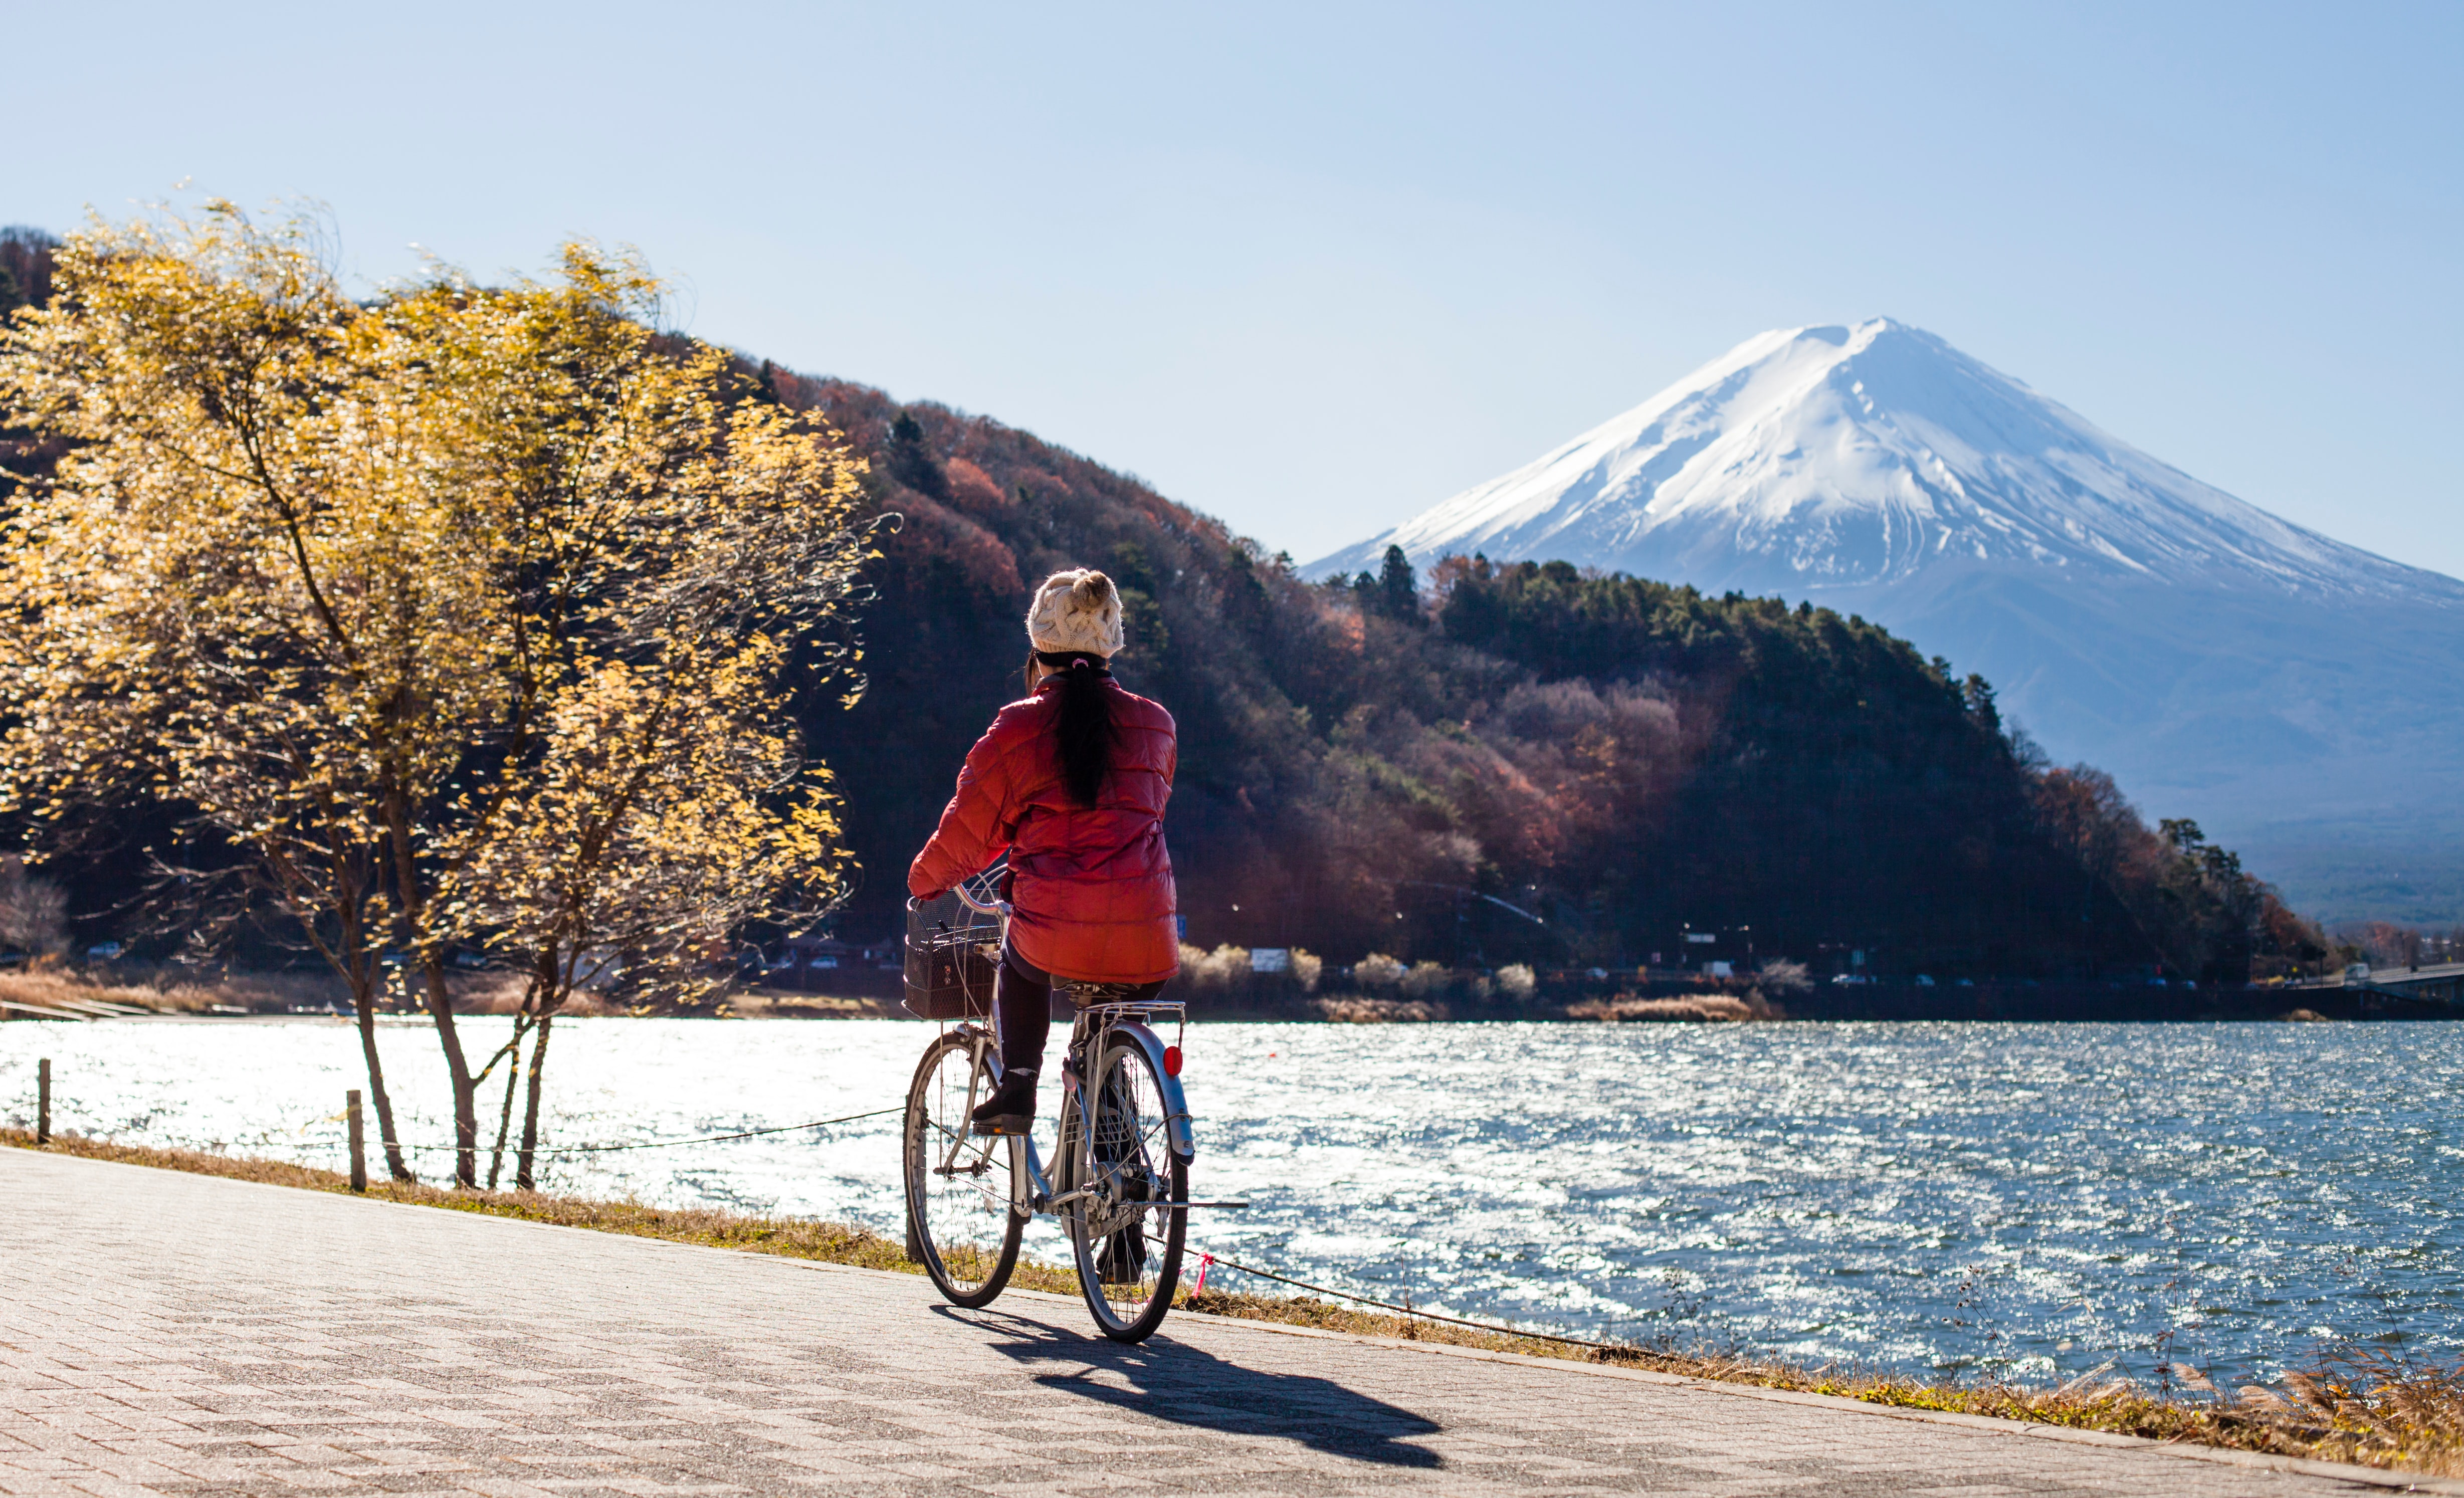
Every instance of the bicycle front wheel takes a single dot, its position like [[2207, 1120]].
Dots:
[[962, 1211], [1126, 1231]]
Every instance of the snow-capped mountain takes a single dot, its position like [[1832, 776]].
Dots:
[[2299, 696], [1839, 456]]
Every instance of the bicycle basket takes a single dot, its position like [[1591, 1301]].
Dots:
[[951, 955]]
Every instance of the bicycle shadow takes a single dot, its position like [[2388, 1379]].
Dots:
[[1174, 1381]]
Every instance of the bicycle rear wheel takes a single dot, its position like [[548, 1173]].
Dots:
[[960, 1214], [1126, 1232]]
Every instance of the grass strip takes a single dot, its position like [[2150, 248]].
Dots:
[[2354, 1406]]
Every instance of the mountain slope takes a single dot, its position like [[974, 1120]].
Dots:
[[2299, 696], [1532, 765], [1363, 774]]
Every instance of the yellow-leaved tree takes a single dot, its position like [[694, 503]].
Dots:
[[665, 534], [645, 833], [454, 620]]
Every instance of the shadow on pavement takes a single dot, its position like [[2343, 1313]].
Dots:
[[1174, 1381]]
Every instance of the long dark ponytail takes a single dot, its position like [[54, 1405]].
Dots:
[[1084, 724]]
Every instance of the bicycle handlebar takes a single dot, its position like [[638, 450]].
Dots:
[[967, 898], [965, 890]]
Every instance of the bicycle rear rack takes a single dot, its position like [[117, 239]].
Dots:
[[1142, 1010]]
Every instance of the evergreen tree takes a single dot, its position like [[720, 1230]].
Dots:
[[911, 459], [1399, 588], [26, 256], [1978, 695]]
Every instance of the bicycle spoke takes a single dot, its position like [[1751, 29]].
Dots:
[[957, 1141], [1127, 1237], [960, 1188]]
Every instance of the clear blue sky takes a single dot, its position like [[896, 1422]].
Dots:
[[1314, 268]]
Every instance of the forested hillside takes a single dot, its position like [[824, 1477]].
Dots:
[[25, 267], [1486, 765], [1390, 763]]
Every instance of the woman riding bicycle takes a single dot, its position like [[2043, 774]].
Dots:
[[1071, 782]]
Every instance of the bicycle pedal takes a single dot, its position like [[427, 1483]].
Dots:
[[1005, 1125]]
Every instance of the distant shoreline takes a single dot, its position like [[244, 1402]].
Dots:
[[69, 994]]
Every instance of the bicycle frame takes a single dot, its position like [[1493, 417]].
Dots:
[[1118, 1175], [1088, 1038], [1036, 1194]]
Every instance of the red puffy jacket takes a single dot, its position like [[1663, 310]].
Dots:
[[1092, 891]]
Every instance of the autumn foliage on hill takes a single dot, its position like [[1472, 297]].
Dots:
[[1389, 762], [1491, 764]]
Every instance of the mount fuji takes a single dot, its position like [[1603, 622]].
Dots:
[[2301, 697]]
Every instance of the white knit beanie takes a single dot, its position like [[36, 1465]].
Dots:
[[1076, 610]]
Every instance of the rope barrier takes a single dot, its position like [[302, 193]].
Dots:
[[1207, 1260], [660, 1144]]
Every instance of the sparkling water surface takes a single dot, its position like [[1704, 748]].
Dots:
[[2023, 1199]]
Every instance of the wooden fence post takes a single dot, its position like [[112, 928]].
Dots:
[[358, 1143], [43, 1101]]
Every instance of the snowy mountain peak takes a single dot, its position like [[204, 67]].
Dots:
[[2298, 696], [1843, 456]]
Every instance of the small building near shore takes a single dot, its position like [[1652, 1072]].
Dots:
[[816, 960]]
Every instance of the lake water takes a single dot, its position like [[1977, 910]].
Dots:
[[1930, 1198]]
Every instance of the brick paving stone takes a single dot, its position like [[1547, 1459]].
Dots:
[[170, 1334]]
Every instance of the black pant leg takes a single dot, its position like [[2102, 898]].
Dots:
[[1021, 1012]]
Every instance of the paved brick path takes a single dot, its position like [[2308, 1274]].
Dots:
[[171, 1334]]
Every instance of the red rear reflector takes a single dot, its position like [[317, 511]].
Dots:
[[1172, 1061]]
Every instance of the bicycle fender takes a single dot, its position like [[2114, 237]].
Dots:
[[1184, 1141]]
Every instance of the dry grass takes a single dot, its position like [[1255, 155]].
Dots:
[[761, 1005], [502, 994], [791, 1237], [1354, 1009], [173, 990], [2355, 1407], [49, 988], [1695, 1007]]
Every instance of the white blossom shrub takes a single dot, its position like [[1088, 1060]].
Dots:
[[1221, 968], [1306, 965], [1377, 970]]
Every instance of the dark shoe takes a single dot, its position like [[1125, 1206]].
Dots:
[[1010, 1109]]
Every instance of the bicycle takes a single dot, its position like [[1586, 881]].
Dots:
[[1119, 1184]]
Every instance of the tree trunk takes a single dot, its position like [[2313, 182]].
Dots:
[[523, 1179], [466, 1090], [505, 1114], [363, 1000]]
